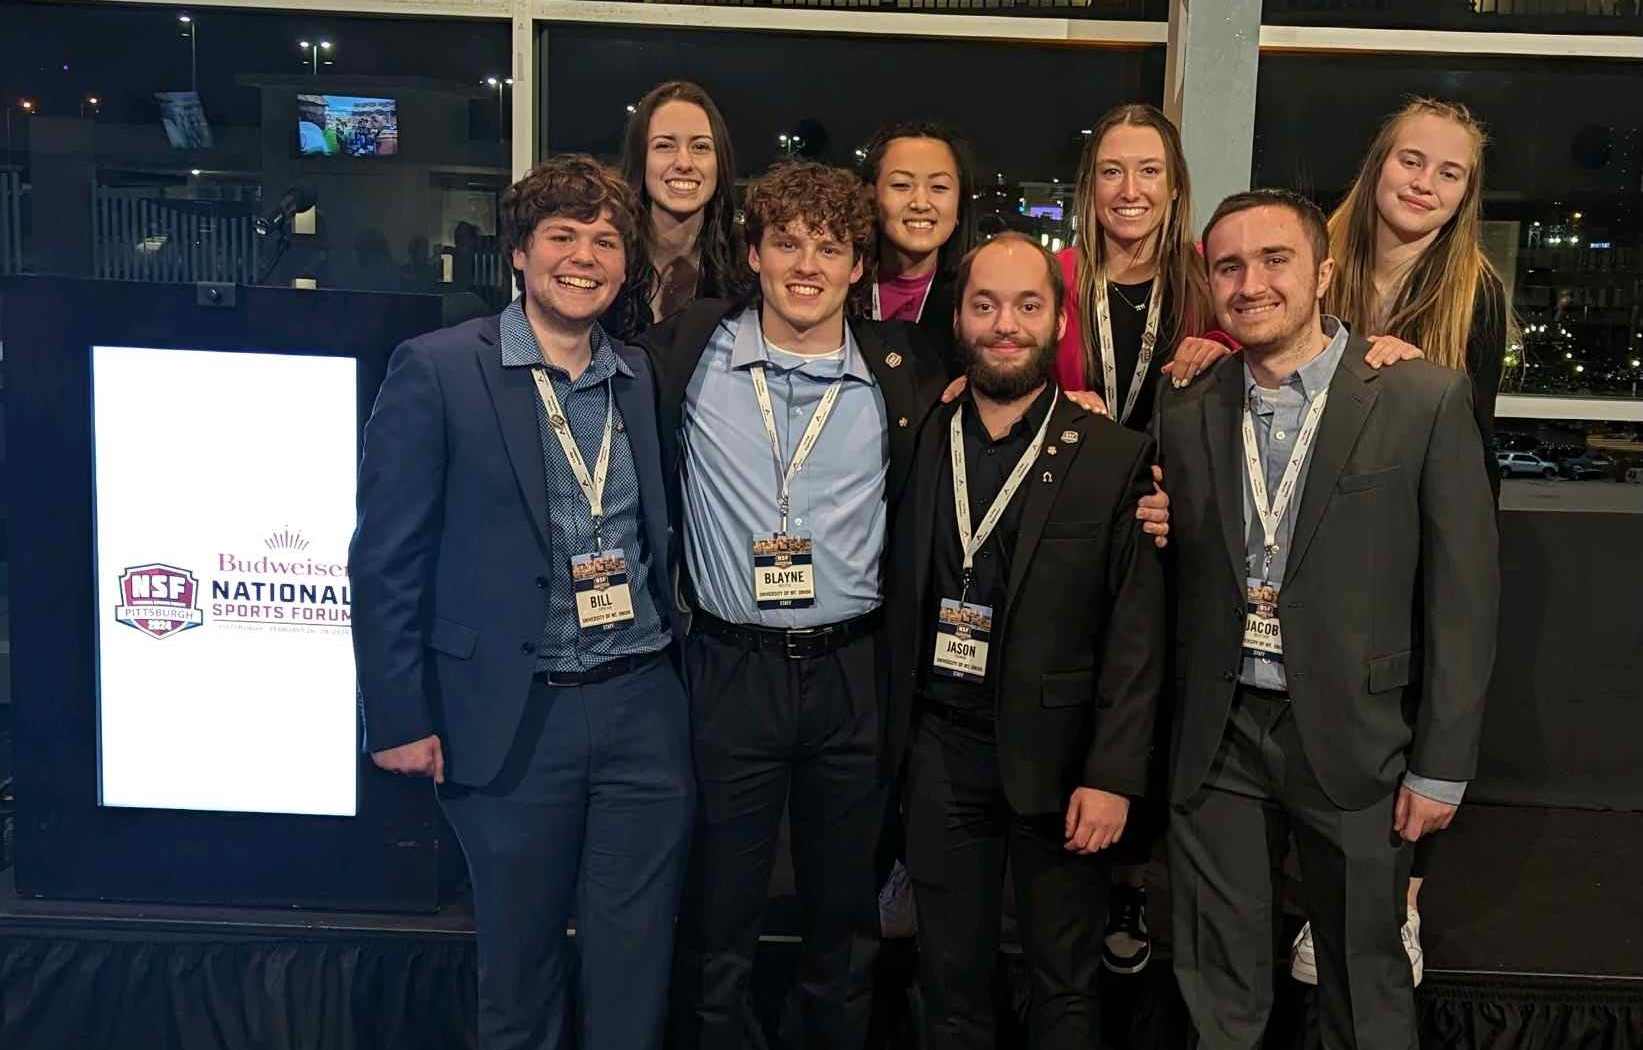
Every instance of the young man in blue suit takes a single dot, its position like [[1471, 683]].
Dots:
[[511, 627]]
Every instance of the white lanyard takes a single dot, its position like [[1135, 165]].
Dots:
[[961, 488], [592, 487], [1109, 356], [1273, 514], [761, 390], [878, 311]]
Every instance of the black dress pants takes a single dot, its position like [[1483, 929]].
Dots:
[[961, 832], [773, 732]]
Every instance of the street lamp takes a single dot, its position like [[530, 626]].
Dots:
[[27, 106], [501, 84], [790, 144], [315, 48], [191, 29], [92, 101]]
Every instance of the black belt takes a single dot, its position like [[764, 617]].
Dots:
[[1277, 696], [799, 643], [964, 717], [599, 672]]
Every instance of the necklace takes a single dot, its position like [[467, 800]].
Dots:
[[1137, 307]]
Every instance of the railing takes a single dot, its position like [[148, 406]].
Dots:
[[139, 236]]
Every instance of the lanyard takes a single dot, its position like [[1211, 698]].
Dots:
[[961, 488], [761, 390], [1272, 514], [593, 487], [878, 311], [1109, 356]]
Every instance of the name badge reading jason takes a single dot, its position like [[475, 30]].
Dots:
[[600, 580], [1262, 635], [784, 576], [963, 630]]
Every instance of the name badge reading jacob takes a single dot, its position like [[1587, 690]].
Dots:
[[962, 632], [784, 576], [600, 580], [1262, 635]]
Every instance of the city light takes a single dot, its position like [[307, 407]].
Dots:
[[192, 32], [314, 49], [1580, 368], [632, 108]]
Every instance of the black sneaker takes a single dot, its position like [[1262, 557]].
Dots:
[[1126, 946]]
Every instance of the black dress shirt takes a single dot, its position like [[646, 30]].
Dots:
[[987, 465]]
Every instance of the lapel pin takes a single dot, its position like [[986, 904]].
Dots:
[[1049, 450], [558, 421], [1048, 477], [893, 359], [901, 422], [621, 427], [1069, 437]]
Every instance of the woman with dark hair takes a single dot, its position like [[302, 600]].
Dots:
[[677, 157], [923, 186]]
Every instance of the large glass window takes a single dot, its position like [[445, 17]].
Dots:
[[294, 148], [1144, 10], [1563, 185], [1024, 108], [1504, 16]]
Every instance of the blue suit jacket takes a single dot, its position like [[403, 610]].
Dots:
[[450, 560]]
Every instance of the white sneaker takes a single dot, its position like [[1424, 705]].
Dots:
[[1412, 944], [1303, 957]]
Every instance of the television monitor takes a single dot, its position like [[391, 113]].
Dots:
[[347, 125]]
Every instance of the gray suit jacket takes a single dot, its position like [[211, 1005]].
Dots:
[[1390, 600]]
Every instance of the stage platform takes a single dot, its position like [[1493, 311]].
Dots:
[[1534, 938]]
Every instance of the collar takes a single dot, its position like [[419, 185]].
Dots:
[[521, 350], [751, 348], [1024, 428], [1312, 378]]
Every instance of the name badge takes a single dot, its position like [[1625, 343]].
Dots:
[[1262, 634], [963, 630], [600, 581], [784, 576]]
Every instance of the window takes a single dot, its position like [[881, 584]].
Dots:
[[1504, 16], [173, 144]]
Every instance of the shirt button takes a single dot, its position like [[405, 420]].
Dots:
[[1279, 435], [542, 582], [527, 647], [798, 521]]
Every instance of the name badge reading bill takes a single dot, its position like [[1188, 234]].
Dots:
[[1262, 634], [963, 631], [784, 574], [600, 581]]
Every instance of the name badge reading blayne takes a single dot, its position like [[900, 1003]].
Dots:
[[784, 575], [963, 630], [600, 581]]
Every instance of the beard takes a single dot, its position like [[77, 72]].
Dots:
[[1010, 382]]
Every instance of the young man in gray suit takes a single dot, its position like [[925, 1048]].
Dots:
[[1335, 565]]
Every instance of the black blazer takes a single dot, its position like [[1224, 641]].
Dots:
[[450, 558], [1395, 520], [1079, 643]]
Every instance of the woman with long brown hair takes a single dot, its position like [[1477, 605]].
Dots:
[[1137, 282], [677, 156]]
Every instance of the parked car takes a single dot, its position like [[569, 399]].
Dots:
[[1587, 465], [1524, 465]]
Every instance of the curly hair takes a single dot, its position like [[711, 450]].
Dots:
[[825, 199], [573, 185]]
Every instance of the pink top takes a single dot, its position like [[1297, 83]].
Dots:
[[901, 298], [1069, 353]]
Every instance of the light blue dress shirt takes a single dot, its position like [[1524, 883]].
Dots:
[[732, 482]]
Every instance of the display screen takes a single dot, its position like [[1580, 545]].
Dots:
[[224, 488], [346, 125]]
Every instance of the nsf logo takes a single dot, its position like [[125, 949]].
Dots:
[[159, 600]]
